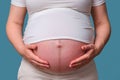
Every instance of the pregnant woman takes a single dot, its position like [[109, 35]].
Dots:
[[59, 41]]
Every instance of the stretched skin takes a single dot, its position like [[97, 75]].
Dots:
[[59, 53]]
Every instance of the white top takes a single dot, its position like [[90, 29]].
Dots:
[[58, 19]]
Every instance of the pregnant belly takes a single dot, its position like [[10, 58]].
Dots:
[[59, 54]]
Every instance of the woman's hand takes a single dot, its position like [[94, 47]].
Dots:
[[86, 58], [33, 58]]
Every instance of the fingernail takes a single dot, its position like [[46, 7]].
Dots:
[[46, 62], [82, 48], [70, 66], [48, 66]]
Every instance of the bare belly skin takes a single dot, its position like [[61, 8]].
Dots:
[[59, 53]]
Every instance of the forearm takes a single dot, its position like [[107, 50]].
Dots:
[[103, 32], [14, 33]]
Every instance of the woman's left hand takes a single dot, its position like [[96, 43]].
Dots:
[[90, 50]]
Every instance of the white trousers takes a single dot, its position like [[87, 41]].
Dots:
[[28, 72]]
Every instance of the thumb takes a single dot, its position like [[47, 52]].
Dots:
[[31, 46]]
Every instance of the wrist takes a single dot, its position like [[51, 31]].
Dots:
[[98, 49], [21, 49]]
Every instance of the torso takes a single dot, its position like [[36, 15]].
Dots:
[[59, 28], [59, 53], [67, 21]]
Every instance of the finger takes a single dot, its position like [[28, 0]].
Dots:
[[36, 58], [87, 47], [78, 60], [91, 46], [40, 65], [78, 65], [82, 58], [75, 65], [40, 60], [83, 47]]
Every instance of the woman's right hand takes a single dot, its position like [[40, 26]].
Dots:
[[32, 57]]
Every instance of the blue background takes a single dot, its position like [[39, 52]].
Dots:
[[107, 62]]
